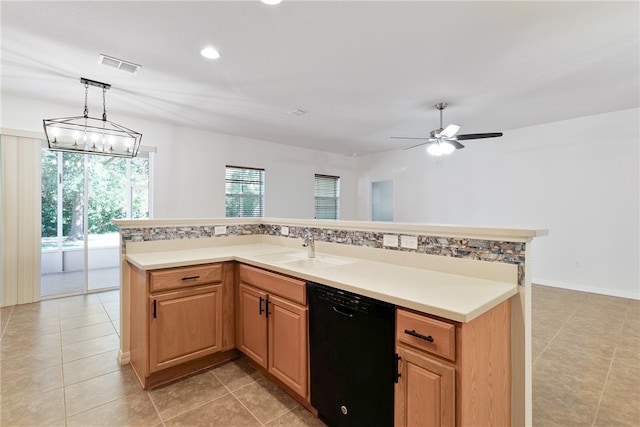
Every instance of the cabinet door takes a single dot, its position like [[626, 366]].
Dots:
[[184, 326], [425, 392], [288, 359], [252, 323]]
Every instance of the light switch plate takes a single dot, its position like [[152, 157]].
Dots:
[[284, 230], [409, 242], [390, 240], [220, 229]]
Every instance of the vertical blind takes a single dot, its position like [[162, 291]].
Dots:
[[244, 192], [327, 197]]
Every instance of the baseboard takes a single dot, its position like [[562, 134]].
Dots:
[[123, 358], [593, 290]]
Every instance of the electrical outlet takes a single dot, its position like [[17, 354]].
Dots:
[[284, 230], [577, 263], [220, 229], [390, 240], [409, 242]]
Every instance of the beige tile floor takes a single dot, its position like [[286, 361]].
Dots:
[[586, 359], [58, 367]]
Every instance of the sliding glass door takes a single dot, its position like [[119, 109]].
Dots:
[[81, 194]]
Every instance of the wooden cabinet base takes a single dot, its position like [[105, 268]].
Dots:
[[186, 369]]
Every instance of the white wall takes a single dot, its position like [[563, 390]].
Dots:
[[555, 176], [578, 178], [189, 165], [196, 182]]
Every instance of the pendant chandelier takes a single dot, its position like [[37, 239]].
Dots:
[[89, 135]]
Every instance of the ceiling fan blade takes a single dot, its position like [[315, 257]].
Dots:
[[479, 136], [455, 143], [406, 137], [450, 131], [414, 146]]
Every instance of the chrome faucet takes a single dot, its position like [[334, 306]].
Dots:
[[310, 243]]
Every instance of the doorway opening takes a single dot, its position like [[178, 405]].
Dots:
[[382, 201], [81, 194]]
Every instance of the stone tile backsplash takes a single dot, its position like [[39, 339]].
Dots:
[[484, 250]]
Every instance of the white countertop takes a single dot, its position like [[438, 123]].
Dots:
[[455, 297]]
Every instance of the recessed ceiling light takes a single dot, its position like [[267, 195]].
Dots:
[[210, 53], [271, 2]]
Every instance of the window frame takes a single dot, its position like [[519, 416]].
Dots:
[[242, 197], [322, 206]]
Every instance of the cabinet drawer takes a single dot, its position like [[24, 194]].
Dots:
[[425, 333], [180, 277], [286, 287]]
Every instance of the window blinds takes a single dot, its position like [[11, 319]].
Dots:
[[244, 192], [327, 197]]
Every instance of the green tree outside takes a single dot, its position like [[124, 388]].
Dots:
[[107, 193]]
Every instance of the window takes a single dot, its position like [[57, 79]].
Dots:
[[327, 197], [244, 191]]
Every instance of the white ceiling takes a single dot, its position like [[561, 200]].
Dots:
[[363, 71]]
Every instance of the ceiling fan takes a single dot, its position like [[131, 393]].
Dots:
[[445, 141]]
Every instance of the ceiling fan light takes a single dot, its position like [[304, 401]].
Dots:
[[434, 149], [447, 148]]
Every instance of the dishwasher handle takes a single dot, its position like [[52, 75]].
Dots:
[[339, 310]]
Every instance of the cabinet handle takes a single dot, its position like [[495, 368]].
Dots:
[[260, 307], [191, 278], [155, 303], [396, 367], [417, 335], [267, 311]]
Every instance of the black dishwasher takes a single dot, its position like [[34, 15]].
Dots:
[[351, 340]]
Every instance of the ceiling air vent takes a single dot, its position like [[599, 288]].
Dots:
[[112, 62]]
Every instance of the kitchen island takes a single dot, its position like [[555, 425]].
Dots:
[[456, 288]]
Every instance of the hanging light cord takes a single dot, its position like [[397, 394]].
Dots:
[[104, 104], [86, 109]]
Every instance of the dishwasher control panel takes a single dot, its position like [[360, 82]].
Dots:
[[344, 299]]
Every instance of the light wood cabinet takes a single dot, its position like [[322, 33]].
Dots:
[[184, 326], [425, 392], [252, 323], [453, 374], [272, 325], [178, 323]]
